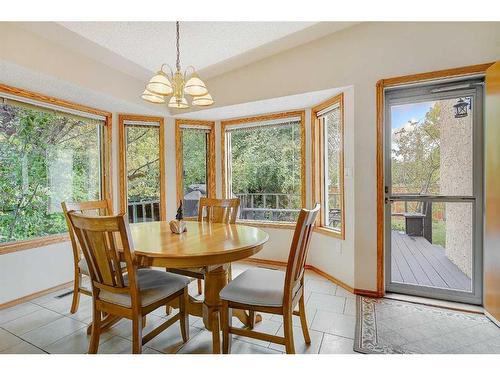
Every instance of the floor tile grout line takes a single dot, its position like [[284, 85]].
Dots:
[[17, 317], [74, 332], [43, 325], [185, 343], [34, 329], [321, 343], [26, 341]]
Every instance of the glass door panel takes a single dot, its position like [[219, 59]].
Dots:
[[431, 149], [434, 190], [432, 244]]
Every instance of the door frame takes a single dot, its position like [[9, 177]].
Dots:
[[424, 93], [380, 136]]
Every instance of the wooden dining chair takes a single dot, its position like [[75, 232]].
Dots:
[[218, 210], [272, 291], [132, 295], [102, 207], [214, 211]]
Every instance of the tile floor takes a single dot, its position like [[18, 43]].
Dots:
[[44, 325]]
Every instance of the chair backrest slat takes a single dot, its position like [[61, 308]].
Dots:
[[218, 210], [102, 207], [299, 250], [98, 237]]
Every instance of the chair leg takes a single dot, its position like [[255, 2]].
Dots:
[[168, 310], [184, 315], [137, 335], [96, 330], [215, 327], [226, 317], [303, 320], [144, 321], [76, 293], [251, 319], [288, 329], [200, 288]]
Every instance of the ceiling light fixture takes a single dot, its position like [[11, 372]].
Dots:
[[162, 85]]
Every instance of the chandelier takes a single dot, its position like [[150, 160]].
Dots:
[[162, 85]]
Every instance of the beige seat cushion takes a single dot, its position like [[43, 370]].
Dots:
[[258, 287], [154, 285], [84, 268]]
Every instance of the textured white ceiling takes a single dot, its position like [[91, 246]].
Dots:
[[203, 44]]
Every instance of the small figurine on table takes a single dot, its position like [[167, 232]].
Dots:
[[178, 225]]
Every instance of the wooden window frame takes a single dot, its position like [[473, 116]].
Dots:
[[122, 160], [260, 118], [379, 121], [106, 182], [211, 188], [317, 157]]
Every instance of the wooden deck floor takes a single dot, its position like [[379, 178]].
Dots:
[[416, 261]]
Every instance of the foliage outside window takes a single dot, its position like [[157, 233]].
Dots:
[[195, 149], [142, 180], [46, 157], [264, 166], [328, 133]]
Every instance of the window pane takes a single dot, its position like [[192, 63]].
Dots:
[[143, 172], [265, 173], [194, 164], [333, 147], [45, 158]]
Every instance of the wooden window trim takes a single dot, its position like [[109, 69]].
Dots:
[[211, 191], [267, 117], [122, 159], [379, 121], [106, 183], [317, 154]]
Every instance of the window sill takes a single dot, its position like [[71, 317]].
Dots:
[[12, 247], [267, 224], [330, 232]]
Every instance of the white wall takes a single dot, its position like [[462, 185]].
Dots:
[[26, 272]]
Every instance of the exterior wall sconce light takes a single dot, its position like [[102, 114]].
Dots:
[[462, 107]]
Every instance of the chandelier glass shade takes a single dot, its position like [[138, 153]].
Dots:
[[152, 97], [177, 84], [203, 100]]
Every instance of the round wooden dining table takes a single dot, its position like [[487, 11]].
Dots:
[[211, 247]]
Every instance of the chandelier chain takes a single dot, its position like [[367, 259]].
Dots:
[[178, 49]]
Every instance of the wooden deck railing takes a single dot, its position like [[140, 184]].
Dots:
[[253, 206], [143, 211]]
